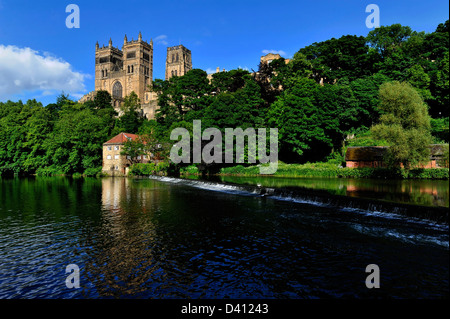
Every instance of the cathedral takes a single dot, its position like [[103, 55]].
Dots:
[[121, 72]]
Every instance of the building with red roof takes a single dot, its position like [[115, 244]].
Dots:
[[114, 163]]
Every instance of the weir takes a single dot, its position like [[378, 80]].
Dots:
[[321, 197]]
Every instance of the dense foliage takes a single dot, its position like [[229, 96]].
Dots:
[[62, 138], [324, 99]]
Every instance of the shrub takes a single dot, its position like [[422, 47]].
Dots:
[[146, 169], [190, 170], [48, 171], [97, 172]]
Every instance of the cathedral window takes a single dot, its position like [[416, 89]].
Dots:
[[103, 74], [132, 69], [177, 57], [117, 89], [128, 69]]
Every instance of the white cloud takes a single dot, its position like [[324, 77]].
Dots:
[[25, 70], [280, 52], [161, 39]]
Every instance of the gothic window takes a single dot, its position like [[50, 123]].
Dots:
[[177, 57], [173, 57], [132, 68], [175, 72], [117, 89], [128, 69], [172, 72], [106, 72], [103, 74]]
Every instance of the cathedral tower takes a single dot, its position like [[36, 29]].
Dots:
[[178, 61], [137, 66], [122, 71]]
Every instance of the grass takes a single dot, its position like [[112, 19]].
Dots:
[[333, 170]]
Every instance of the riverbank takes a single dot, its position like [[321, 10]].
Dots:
[[325, 170], [331, 170]]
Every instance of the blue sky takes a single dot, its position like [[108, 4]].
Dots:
[[40, 56]]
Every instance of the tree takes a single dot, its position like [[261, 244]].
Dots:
[[228, 81], [146, 144], [365, 91], [131, 118], [404, 124], [388, 39], [307, 118], [102, 100], [439, 87], [349, 56], [76, 141]]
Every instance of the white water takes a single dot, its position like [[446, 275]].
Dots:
[[369, 230]]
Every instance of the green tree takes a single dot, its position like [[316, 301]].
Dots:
[[388, 39], [307, 118], [404, 124], [102, 99], [131, 118], [347, 57], [146, 144], [75, 144]]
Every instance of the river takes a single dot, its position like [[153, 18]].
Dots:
[[170, 238]]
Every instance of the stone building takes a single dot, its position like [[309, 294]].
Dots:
[[115, 164], [373, 156], [178, 61], [269, 57], [130, 69]]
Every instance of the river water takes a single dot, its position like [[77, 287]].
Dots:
[[169, 238]]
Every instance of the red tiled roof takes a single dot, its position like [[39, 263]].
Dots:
[[122, 138]]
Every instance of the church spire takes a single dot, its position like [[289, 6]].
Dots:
[[140, 36], [125, 40], [110, 43]]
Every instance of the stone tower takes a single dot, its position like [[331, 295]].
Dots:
[[178, 61], [122, 71]]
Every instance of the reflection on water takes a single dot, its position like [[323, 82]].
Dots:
[[150, 238], [417, 192]]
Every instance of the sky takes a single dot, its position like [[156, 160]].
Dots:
[[40, 57]]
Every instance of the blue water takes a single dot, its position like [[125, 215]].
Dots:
[[169, 238]]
